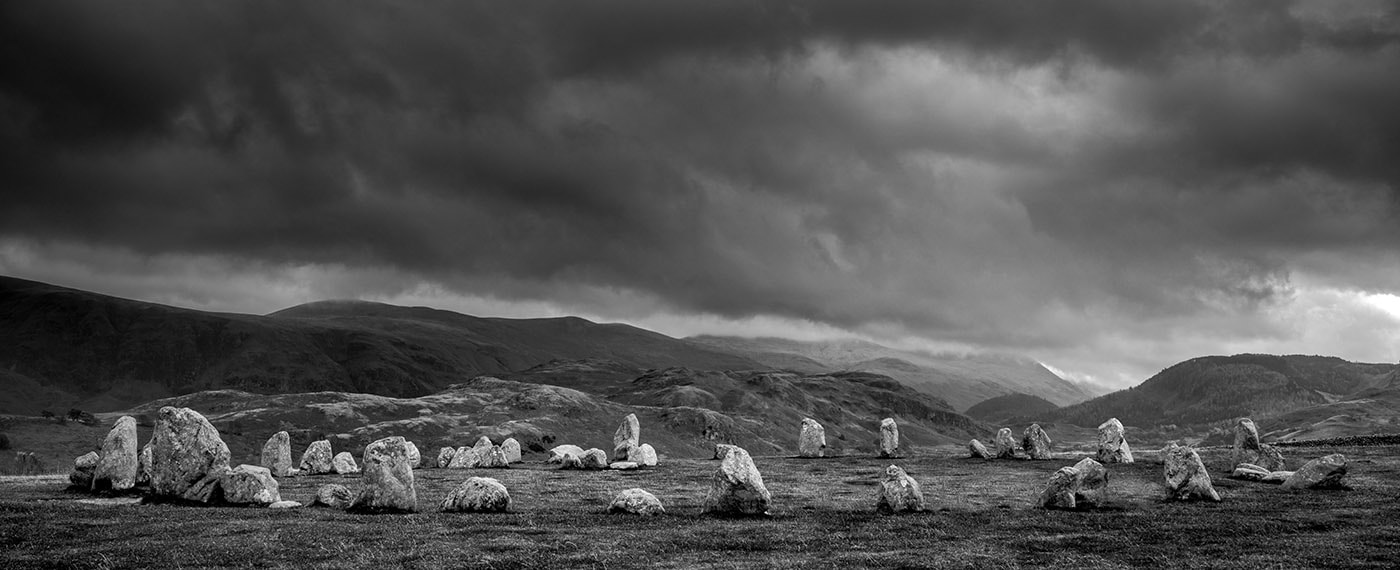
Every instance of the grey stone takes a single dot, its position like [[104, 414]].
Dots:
[[1276, 477], [143, 471], [1005, 444], [83, 469], [636, 502], [445, 457], [624, 465], [557, 454], [250, 485], [344, 463], [478, 495], [645, 455], [889, 438], [1059, 492], [317, 459], [1250, 472], [899, 492], [1083, 485], [977, 450], [333, 496], [117, 463], [188, 459], [737, 487], [1113, 447], [1035, 442], [285, 505], [277, 454], [811, 440], [511, 448], [1186, 477], [627, 437], [388, 478], [1321, 473], [483, 442], [415, 459]]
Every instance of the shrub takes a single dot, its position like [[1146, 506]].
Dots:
[[4, 441]]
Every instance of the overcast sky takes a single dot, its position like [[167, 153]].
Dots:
[[1108, 186]]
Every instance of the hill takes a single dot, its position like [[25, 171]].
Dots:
[[1001, 409]]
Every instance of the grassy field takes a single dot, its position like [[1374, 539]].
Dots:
[[822, 518]]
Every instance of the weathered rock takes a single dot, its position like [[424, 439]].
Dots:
[[557, 454], [1276, 477], [811, 440], [594, 459], [285, 505], [1250, 472], [889, 438], [645, 455], [83, 469], [1271, 458], [722, 449], [1059, 492], [483, 442], [511, 448], [344, 463], [627, 437], [624, 465], [478, 495], [188, 458], [978, 450], [1091, 486], [636, 502], [899, 492], [445, 457], [117, 463], [1246, 443], [737, 487], [415, 459], [1035, 442], [493, 458], [333, 496], [277, 454], [317, 459], [1113, 447], [388, 478], [250, 485], [1186, 476], [143, 468], [570, 461], [1005, 444], [465, 458], [1321, 473]]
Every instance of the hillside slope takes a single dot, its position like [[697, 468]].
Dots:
[[1002, 409]]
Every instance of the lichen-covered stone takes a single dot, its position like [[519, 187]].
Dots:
[[1091, 486], [1276, 477], [636, 502], [593, 458], [645, 455], [1246, 448], [811, 439], [317, 459], [277, 454], [977, 450], [899, 492], [1321, 473], [1035, 442], [143, 466], [1113, 446], [388, 478], [333, 496], [1249, 472], [1059, 492], [83, 468], [188, 458], [477, 495], [415, 459], [250, 485], [118, 462], [445, 457], [557, 454], [627, 437], [1186, 477], [511, 449], [889, 438], [344, 463], [737, 487], [1005, 444]]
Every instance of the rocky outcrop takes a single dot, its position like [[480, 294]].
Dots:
[[511, 449], [477, 495], [1035, 442], [250, 485], [899, 492], [889, 438], [83, 469], [317, 459], [117, 463], [1321, 473], [277, 454], [737, 487], [188, 458], [636, 502], [811, 440], [343, 463], [388, 478], [1005, 444], [1113, 447], [627, 437], [977, 450], [557, 454], [1186, 477], [333, 496]]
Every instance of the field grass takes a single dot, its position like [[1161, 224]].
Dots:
[[823, 517]]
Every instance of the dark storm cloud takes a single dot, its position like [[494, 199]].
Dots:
[[1008, 173]]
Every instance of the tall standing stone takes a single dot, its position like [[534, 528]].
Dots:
[[511, 449], [388, 478], [627, 437], [1246, 444], [117, 464], [977, 450], [1186, 476], [277, 454], [889, 438], [1005, 444], [899, 492], [811, 441], [317, 459], [1321, 473], [1113, 447], [415, 459], [1035, 442], [143, 470], [737, 486], [187, 456]]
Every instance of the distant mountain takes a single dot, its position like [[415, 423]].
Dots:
[[1002, 409], [63, 347], [1220, 388], [961, 380]]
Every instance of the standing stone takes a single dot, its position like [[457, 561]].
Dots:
[[636, 502], [594, 459], [737, 487], [333, 496], [117, 464], [1035, 442], [1113, 448], [557, 454], [723, 449], [512, 450], [465, 458], [317, 459], [250, 485], [143, 470], [889, 438], [1321, 473], [415, 459], [1186, 476], [978, 450], [445, 457], [483, 442], [1005, 444], [1091, 484], [1059, 492], [899, 492], [187, 456], [1270, 457], [627, 437], [645, 455], [277, 454], [388, 478], [493, 458], [83, 468], [811, 441], [1246, 443], [344, 463], [477, 495]]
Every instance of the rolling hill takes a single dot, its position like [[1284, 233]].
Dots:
[[1001, 409]]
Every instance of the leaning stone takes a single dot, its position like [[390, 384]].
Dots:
[[1005, 444], [512, 450], [636, 502], [627, 437], [1246, 448], [277, 454], [624, 465], [889, 438], [1249, 472], [250, 485], [285, 505], [333, 496], [477, 495], [317, 459], [445, 457], [1321, 473], [1186, 476], [117, 464], [344, 463], [645, 455], [188, 458], [978, 450], [1059, 492], [83, 468], [415, 459], [899, 492], [1113, 447], [1035, 442], [388, 478], [1276, 477], [557, 454], [811, 441], [737, 487]]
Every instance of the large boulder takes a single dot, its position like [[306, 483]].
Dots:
[[1321, 473], [977, 450], [557, 454], [1248, 448], [344, 463], [1186, 476], [477, 495], [1035, 442], [636, 502], [250, 485], [737, 487], [388, 478], [490, 457], [592, 459], [1005, 444], [333, 496], [1059, 492], [188, 459], [645, 455], [277, 454], [511, 449], [899, 492], [317, 459], [889, 438], [83, 469], [415, 459], [811, 440], [1083, 485], [117, 463], [445, 457], [143, 466], [1113, 447], [627, 437]]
